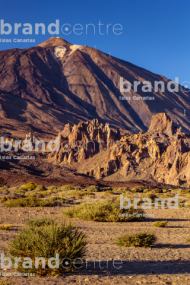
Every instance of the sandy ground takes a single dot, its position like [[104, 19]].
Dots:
[[162, 264]]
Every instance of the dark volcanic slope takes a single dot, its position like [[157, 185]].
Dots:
[[40, 91]]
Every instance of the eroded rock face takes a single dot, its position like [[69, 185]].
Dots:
[[84, 140], [161, 123], [162, 154]]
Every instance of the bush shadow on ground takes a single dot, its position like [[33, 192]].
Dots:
[[105, 268]]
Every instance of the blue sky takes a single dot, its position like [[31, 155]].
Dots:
[[155, 36]]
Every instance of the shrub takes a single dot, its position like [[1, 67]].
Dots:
[[187, 239], [45, 193], [46, 241], [146, 190], [67, 188], [4, 188], [28, 202], [35, 195], [160, 224], [29, 186], [12, 196], [104, 211], [108, 193], [157, 190], [150, 195], [120, 190], [76, 193], [51, 188], [136, 240], [137, 189], [77, 188], [43, 221], [179, 191], [40, 188], [5, 227], [93, 188], [20, 191]]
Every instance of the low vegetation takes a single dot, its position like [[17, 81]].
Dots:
[[29, 186], [160, 224], [67, 188], [136, 240], [45, 238], [29, 202], [93, 188], [137, 189], [104, 211], [43, 221], [5, 227]]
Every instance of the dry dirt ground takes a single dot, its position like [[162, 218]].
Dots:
[[166, 263]]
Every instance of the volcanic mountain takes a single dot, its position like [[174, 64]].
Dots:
[[42, 88]]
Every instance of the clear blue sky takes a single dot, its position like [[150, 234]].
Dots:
[[156, 33]]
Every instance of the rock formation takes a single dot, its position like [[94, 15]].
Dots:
[[161, 154], [84, 140]]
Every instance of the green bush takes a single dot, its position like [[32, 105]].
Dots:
[[137, 189], [46, 241], [6, 227], [20, 191], [67, 188], [29, 186], [51, 188], [40, 188], [43, 221], [187, 239], [93, 188], [77, 193], [150, 195], [104, 211], [28, 202], [36, 195], [46, 192], [108, 193], [146, 190], [136, 240], [77, 188], [159, 224], [157, 190], [4, 188], [120, 190]]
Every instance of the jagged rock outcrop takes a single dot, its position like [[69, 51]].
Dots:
[[161, 154], [84, 140], [161, 123]]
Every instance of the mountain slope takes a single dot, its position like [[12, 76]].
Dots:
[[44, 87]]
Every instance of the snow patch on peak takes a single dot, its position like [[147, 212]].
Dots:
[[59, 51], [75, 47]]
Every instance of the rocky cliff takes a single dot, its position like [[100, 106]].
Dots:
[[162, 154]]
